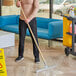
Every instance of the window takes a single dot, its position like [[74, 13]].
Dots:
[[58, 1], [74, 1], [71, 1]]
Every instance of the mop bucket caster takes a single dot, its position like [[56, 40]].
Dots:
[[67, 51]]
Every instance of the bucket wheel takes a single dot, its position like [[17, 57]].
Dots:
[[67, 51]]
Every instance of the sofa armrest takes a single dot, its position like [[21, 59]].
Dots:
[[7, 20], [55, 29]]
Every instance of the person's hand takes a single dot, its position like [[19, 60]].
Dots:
[[27, 21], [18, 3]]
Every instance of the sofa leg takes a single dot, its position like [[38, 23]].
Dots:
[[49, 43]]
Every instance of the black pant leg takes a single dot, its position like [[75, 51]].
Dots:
[[22, 33], [33, 26]]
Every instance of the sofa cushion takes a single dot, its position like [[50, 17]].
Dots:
[[42, 30], [11, 28], [42, 33]]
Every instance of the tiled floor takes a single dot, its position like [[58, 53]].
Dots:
[[65, 66]]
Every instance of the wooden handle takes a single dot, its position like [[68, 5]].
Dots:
[[34, 38]]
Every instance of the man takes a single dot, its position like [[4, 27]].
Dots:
[[30, 8]]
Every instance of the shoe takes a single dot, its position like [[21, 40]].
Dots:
[[19, 59], [37, 60]]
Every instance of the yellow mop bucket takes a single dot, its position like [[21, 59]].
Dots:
[[67, 39], [2, 63]]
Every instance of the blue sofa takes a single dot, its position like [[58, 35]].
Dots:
[[46, 28]]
